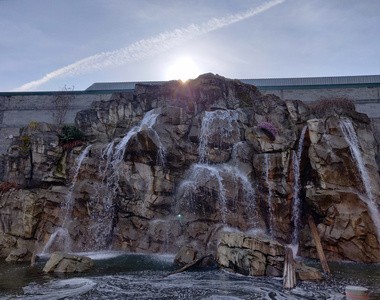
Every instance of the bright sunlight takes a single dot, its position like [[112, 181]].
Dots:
[[184, 68]]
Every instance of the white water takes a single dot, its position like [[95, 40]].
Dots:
[[59, 289], [213, 176], [102, 208], [249, 194], [353, 142], [199, 175], [148, 121], [61, 237], [296, 207], [220, 125], [61, 234], [270, 193], [69, 201]]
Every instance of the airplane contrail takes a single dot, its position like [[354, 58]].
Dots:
[[147, 47]]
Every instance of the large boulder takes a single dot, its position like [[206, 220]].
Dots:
[[20, 254], [250, 255], [67, 263]]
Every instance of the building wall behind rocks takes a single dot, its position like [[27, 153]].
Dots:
[[19, 109]]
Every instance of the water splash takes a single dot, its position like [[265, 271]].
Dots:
[[117, 155], [214, 176], [296, 207], [101, 208], [199, 175], [351, 137], [102, 205], [249, 194], [220, 126], [106, 156], [267, 166], [61, 238], [69, 201], [61, 234], [147, 122]]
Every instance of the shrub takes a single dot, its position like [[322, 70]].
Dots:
[[6, 186], [70, 134], [269, 129], [33, 125], [327, 105], [25, 144]]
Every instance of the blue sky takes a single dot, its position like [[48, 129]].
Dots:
[[47, 44]]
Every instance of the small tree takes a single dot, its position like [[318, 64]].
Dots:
[[62, 103]]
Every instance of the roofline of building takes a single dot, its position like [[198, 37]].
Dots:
[[361, 81]]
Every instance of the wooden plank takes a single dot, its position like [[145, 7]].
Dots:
[[188, 266], [318, 245]]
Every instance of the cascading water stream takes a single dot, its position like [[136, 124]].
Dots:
[[103, 212], [270, 193], [212, 175], [219, 130], [199, 174], [353, 142], [219, 124], [62, 233], [148, 121], [69, 201], [296, 207], [249, 195]]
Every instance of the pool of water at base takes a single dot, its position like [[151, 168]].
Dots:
[[118, 275]]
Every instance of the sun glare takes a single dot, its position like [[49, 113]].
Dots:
[[184, 68]]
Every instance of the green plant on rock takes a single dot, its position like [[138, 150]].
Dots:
[[70, 136], [25, 143], [33, 125]]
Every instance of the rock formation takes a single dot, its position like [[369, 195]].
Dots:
[[67, 263], [174, 165], [250, 255]]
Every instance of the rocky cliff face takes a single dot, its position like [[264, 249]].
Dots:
[[176, 165]]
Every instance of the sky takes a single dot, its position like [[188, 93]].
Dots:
[[46, 45]]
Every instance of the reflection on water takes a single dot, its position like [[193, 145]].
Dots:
[[134, 276]]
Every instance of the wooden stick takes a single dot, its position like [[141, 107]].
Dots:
[[317, 241], [189, 265], [33, 259], [290, 280]]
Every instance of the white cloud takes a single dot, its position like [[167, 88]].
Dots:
[[147, 47]]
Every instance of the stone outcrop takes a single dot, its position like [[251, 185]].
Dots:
[[250, 255], [306, 273], [20, 254], [173, 165], [67, 263]]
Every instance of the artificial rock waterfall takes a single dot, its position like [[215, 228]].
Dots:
[[175, 166]]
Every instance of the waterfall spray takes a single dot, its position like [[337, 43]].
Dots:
[[61, 234], [353, 142], [103, 208], [220, 125]]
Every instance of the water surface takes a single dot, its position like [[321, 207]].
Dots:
[[118, 275]]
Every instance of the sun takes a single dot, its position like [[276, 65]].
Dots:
[[184, 68]]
